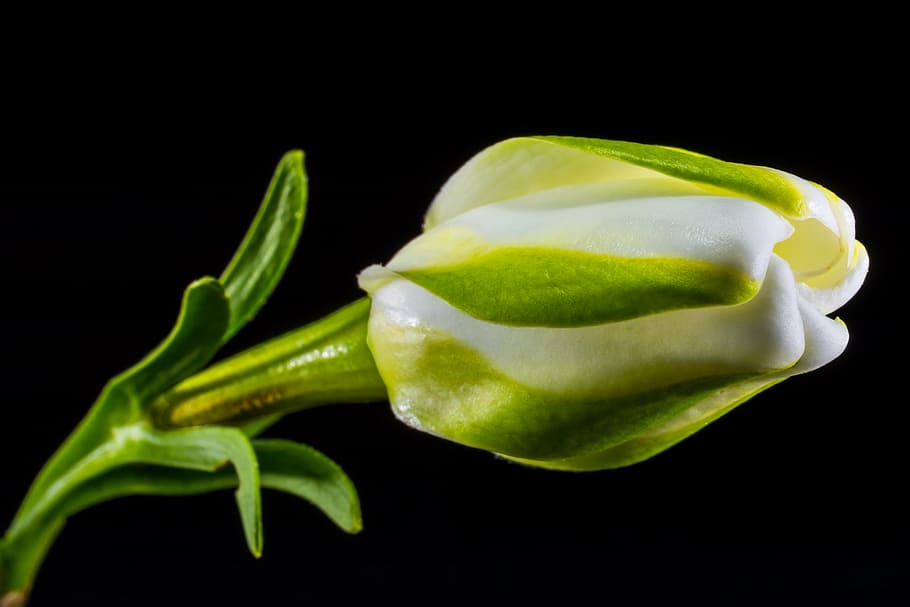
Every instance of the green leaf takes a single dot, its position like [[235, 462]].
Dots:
[[192, 343], [531, 286], [209, 314], [307, 473], [207, 449], [142, 479], [262, 257], [283, 465], [22, 552], [189, 462], [194, 339], [115, 452]]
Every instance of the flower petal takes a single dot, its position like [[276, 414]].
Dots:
[[825, 340], [524, 263], [525, 165], [539, 392]]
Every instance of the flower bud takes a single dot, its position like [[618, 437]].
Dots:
[[584, 304]]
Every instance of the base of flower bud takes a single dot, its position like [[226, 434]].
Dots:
[[325, 362]]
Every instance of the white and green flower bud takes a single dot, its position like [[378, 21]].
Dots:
[[584, 304]]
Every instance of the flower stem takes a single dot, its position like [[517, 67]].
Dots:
[[20, 557], [325, 362]]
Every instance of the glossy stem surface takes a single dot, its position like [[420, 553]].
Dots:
[[325, 362]]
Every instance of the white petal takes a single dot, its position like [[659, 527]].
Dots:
[[373, 277], [823, 252], [825, 340], [730, 232], [521, 166], [827, 300], [815, 198]]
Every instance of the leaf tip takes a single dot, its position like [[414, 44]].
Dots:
[[356, 525], [293, 160], [254, 540]]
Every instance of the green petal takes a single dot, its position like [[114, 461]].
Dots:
[[640, 448], [525, 165], [529, 286], [825, 340], [769, 187], [450, 390]]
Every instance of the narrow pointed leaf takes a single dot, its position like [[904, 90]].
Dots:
[[283, 466], [208, 448], [143, 479], [19, 559], [262, 257], [195, 338], [192, 342], [302, 471]]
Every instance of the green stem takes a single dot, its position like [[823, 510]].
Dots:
[[34, 529], [325, 362], [20, 557]]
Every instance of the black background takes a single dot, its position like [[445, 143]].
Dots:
[[119, 185]]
